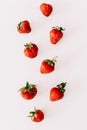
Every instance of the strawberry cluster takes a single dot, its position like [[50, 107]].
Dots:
[[29, 91]]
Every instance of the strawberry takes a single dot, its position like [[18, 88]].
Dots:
[[24, 27], [29, 91], [46, 9], [56, 34], [47, 66], [57, 93], [31, 50], [37, 115]]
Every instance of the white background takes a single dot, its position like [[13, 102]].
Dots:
[[70, 113]]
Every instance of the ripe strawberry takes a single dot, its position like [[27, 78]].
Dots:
[[46, 9], [29, 91], [37, 115], [57, 93], [24, 27], [31, 50], [47, 66], [56, 34]]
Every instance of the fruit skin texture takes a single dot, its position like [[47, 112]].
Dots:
[[24, 27], [47, 66], [29, 91], [31, 50], [56, 34], [46, 9], [57, 93], [37, 115]]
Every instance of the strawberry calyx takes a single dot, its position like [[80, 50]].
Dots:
[[33, 114], [59, 28], [19, 26], [51, 62], [28, 87], [61, 86], [29, 45]]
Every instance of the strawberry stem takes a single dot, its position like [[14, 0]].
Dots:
[[62, 86], [59, 28], [19, 26], [29, 45], [28, 87], [52, 61], [32, 113]]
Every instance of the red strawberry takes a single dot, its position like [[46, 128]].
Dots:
[[46, 9], [56, 34], [24, 27], [31, 50], [47, 66], [57, 93], [29, 91], [37, 115]]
